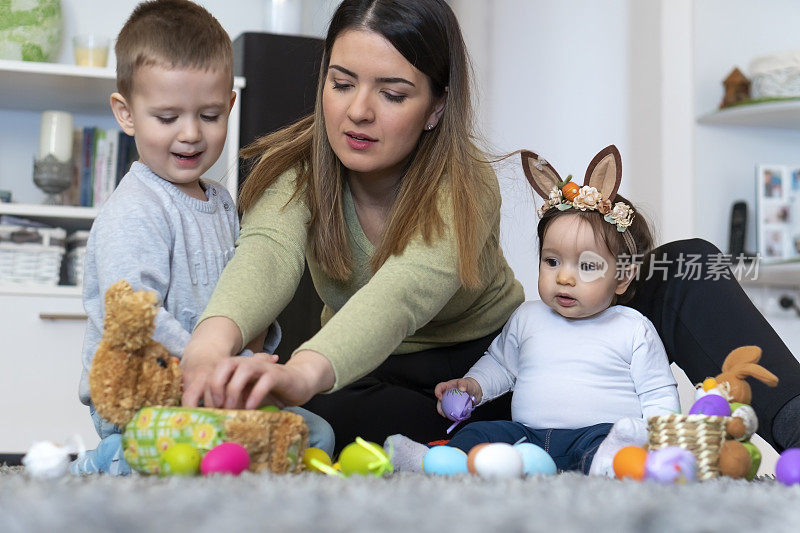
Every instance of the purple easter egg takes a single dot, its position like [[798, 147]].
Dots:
[[457, 405], [670, 465], [787, 469], [712, 405]]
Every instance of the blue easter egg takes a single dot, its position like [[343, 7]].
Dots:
[[535, 460], [711, 404], [445, 461]]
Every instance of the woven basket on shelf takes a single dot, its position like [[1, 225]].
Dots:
[[31, 256], [702, 435]]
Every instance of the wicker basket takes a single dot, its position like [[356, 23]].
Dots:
[[702, 435], [76, 246], [31, 256]]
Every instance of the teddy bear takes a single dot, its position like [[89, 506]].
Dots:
[[136, 384]]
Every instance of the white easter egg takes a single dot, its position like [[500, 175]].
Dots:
[[499, 460]]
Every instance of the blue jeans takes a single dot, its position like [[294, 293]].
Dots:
[[571, 449]]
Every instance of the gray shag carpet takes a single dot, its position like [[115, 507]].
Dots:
[[401, 502]]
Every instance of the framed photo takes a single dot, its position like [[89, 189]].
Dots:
[[778, 212]]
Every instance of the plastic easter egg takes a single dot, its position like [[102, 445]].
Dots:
[[670, 465], [787, 469], [535, 460], [317, 455], [712, 405], [445, 461], [226, 458], [364, 458], [471, 456], [629, 463], [755, 460], [498, 460], [748, 416], [457, 406], [181, 459], [709, 383]]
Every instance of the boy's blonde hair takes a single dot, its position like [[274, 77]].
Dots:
[[172, 33]]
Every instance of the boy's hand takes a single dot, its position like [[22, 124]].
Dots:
[[468, 385], [197, 369]]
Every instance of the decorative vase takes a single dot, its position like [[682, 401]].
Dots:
[[30, 30]]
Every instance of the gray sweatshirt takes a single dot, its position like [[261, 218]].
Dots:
[[160, 239]]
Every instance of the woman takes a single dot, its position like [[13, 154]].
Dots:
[[384, 194]]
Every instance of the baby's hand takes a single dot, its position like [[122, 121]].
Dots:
[[468, 385]]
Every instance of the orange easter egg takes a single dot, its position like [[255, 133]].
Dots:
[[471, 457], [629, 462]]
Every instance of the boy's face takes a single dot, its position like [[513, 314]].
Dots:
[[577, 272], [179, 117]]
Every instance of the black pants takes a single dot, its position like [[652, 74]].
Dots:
[[700, 321]]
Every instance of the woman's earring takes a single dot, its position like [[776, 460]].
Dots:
[[429, 127]]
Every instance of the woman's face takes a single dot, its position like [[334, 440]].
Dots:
[[376, 105]]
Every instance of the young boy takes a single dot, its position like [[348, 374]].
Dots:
[[164, 229]]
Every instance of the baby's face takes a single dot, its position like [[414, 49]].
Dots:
[[577, 272], [180, 120]]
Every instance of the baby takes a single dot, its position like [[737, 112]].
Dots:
[[578, 362]]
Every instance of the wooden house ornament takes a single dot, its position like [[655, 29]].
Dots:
[[737, 89]]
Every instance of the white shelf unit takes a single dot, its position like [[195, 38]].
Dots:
[[28, 86], [781, 115]]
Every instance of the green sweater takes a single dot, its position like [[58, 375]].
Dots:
[[414, 301]]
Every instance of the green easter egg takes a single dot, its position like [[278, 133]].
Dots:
[[182, 459], [755, 459], [358, 459]]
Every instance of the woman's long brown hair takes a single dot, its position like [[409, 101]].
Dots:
[[427, 34]]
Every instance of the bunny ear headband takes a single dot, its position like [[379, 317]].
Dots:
[[597, 194]]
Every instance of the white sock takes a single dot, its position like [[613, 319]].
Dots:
[[626, 432], [406, 454]]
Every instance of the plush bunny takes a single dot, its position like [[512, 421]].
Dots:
[[136, 384], [740, 364], [735, 458]]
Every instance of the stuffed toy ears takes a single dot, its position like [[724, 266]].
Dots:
[[540, 174], [740, 357], [605, 172]]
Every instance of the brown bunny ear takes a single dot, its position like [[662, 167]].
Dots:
[[605, 172], [757, 371], [541, 175], [741, 356]]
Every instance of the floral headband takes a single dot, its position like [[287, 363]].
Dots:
[[597, 193]]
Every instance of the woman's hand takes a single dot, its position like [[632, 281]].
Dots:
[[468, 385], [214, 340], [249, 382]]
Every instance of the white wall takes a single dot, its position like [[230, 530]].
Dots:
[[726, 157], [236, 16], [554, 79]]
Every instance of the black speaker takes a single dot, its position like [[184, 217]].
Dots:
[[281, 74]]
